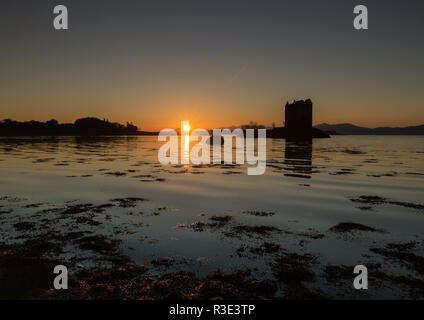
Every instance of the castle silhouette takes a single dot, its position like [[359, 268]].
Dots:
[[297, 122]]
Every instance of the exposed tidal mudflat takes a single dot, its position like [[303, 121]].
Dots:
[[128, 227]]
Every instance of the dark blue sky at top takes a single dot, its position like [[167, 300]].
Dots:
[[240, 59]]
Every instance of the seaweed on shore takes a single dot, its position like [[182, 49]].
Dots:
[[24, 226], [259, 213], [335, 273], [219, 221], [350, 151], [6, 211], [266, 247], [401, 254], [133, 282], [351, 226], [214, 222], [252, 230], [116, 173], [98, 243], [228, 172], [293, 270], [342, 274], [164, 261], [376, 200], [128, 202], [25, 273], [343, 171]]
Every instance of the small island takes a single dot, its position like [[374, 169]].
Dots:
[[298, 123], [81, 127]]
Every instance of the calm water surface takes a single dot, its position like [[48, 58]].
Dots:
[[308, 185]]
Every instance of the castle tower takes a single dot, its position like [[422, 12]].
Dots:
[[298, 116]]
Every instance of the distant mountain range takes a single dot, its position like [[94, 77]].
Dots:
[[347, 128]]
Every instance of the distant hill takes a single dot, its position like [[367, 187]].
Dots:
[[81, 127], [347, 128]]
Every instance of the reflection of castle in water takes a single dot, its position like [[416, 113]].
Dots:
[[298, 158]]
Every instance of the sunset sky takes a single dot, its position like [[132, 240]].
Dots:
[[215, 63]]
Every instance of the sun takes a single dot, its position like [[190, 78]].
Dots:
[[187, 128]]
